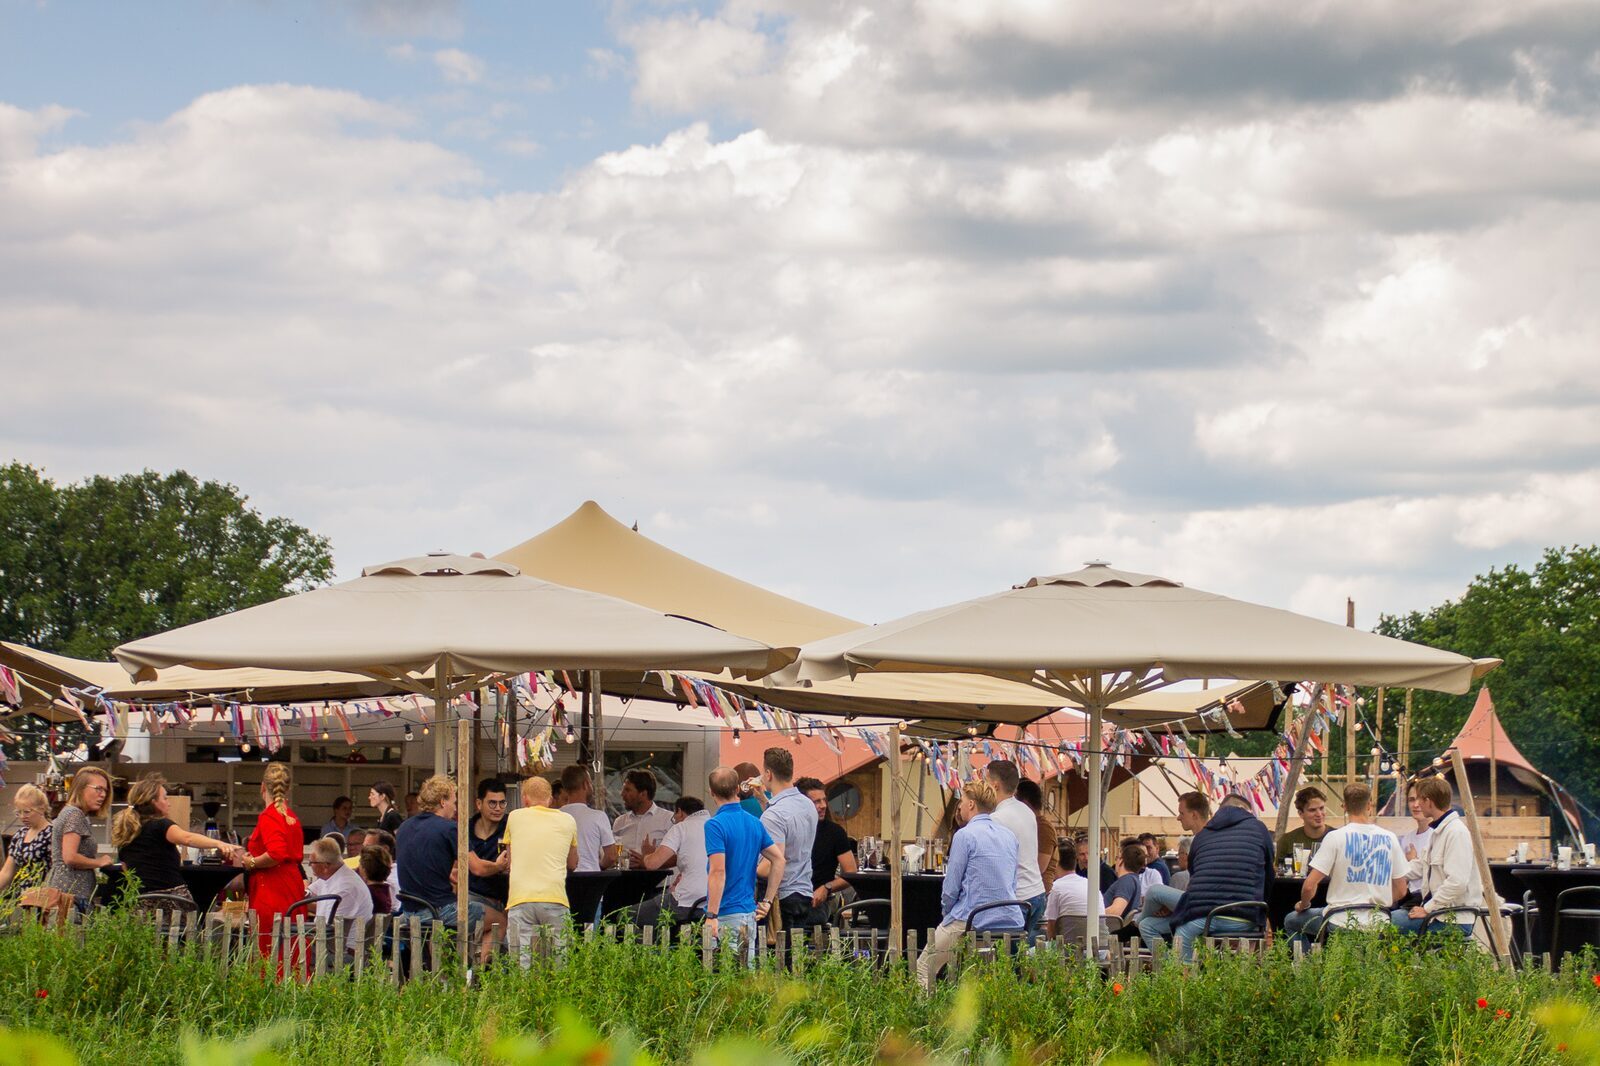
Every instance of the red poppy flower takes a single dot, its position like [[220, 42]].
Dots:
[[1482, 1003], [42, 993], [1116, 988], [1597, 980], [1502, 1014]]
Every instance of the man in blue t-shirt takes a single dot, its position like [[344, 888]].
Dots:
[[425, 851], [735, 843]]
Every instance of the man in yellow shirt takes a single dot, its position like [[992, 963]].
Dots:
[[543, 844]]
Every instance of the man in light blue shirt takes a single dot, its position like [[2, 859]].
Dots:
[[982, 869], [791, 819]]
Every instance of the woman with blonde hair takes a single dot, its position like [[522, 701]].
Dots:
[[272, 857], [28, 858], [74, 855], [147, 840]]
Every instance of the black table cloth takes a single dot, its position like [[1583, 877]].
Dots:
[[205, 881], [923, 910], [1546, 883]]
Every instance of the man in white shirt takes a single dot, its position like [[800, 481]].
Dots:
[[597, 847], [683, 849], [1362, 863], [1449, 869], [331, 877], [1018, 817], [1416, 841], [1067, 904], [642, 820]]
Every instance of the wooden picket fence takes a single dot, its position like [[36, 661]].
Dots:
[[407, 947]]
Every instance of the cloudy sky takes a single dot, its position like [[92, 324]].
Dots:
[[880, 305]]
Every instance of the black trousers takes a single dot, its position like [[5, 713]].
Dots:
[[651, 910], [798, 913]]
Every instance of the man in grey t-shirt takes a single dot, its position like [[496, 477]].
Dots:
[[1020, 819], [791, 821]]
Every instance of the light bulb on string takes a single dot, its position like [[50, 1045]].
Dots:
[[426, 730], [324, 734], [972, 729], [567, 736], [409, 735], [736, 738], [222, 738], [244, 748]]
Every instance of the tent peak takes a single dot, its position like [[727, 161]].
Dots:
[[441, 563], [1100, 574]]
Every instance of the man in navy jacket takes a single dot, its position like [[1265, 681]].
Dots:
[[1230, 861]]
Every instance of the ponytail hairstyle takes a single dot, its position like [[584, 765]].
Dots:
[[276, 783], [141, 805]]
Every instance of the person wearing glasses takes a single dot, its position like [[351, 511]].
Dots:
[[488, 878], [74, 855]]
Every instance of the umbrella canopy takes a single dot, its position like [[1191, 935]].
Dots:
[[1101, 636], [464, 618], [1096, 621], [590, 549]]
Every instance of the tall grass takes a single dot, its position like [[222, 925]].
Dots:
[[119, 996]]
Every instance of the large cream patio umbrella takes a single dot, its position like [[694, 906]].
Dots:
[[1100, 636], [442, 625]]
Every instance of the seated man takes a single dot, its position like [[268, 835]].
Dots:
[[331, 877], [1312, 807], [1180, 876], [1153, 859], [1067, 906], [1361, 862], [426, 854], [683, 849], [1194, 811], [1230, 861], [1123, 896], [1449, 871], [982, 869]]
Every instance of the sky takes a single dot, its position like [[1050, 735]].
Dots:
[[880, 306]]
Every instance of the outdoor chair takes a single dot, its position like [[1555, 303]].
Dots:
[[1530, 914], [848, 919], [1019, 930], [1250, 910], [165, 903], [1565, 914], [1348, 908]]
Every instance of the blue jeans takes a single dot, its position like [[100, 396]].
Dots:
[[1161, 898], [1304, 925], [1186, 933], [1034, 916], [742, 926], [447, 913], [1414, 926]]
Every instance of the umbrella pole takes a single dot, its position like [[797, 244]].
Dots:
[[598, 748], [463, 800], [1096, 709], [896, 888]]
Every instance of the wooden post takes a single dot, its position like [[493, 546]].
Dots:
[[1350, 715], [1499, 936], [463, 827], [1297, 759], [598, 750], [1494, 766], [896, 888]]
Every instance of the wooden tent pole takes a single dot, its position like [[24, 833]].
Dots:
[[896, 888], [1297, 759], [1499, 938]]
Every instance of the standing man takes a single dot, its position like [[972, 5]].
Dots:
[[1448, 870], [736, 843], [1032, 797], [543, 845], [597, 847], [832, 853], [684, 850], [380, 797], [488, 880], [1312, 806], [641, 820], [982, 869], [791, 821], [1011, 813], [1361, 862]]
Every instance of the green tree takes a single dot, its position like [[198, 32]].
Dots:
[[1545, 624], [85, 567]]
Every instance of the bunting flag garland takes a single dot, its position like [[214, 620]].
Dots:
[[10, 690]]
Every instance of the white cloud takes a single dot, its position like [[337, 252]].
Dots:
[[458, 66], [863, 311]]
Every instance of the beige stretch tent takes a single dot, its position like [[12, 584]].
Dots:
[[590, 549], [1099, 636], [445, 624]]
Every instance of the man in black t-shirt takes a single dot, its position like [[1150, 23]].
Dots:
[[832, 853]]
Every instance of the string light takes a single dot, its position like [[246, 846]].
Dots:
[[425, 730], [244, 748], [972, 729], [324, 734], [408, 731], [736, 738]]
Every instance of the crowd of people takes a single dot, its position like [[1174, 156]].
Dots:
[[766, 842]]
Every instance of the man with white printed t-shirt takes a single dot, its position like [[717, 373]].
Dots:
[[1362, 863]]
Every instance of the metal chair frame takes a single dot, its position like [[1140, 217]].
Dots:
[[1562, 908], [1263, 928]]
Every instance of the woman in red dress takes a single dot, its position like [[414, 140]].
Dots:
[[273, 854]]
